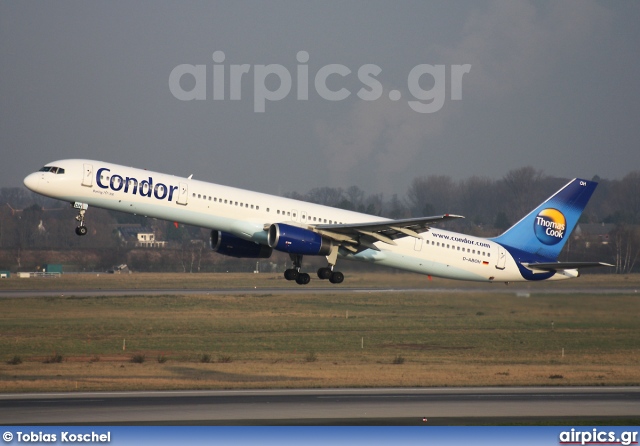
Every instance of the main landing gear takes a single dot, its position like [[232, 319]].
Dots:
[[304, 278], [82, 209], [294, 273], [329, 273]]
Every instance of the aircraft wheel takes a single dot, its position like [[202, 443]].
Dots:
[[336, 277], [291, 274], [324, 273], [81, 230], [303, 279]]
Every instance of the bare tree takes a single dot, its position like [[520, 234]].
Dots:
[[626, 246], [329, 196], [626, 196], [524, 186], [431, 195]]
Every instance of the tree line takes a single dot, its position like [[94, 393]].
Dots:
[[30, 222]]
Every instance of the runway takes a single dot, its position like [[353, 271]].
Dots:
[[436, 406], [296, 289]]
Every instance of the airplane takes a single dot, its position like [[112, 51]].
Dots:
[[246, 224]]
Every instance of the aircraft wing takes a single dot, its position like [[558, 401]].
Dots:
[[381, 231], [554, 266]]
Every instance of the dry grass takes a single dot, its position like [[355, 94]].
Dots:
[[123, 375], [444, 338]]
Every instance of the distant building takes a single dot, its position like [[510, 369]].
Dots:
[[593, 233], [120, 269], [52, 268], [140, 237]]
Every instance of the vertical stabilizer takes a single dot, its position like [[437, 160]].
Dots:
[[546, 229]]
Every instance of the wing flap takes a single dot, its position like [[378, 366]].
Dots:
[[384, 230]]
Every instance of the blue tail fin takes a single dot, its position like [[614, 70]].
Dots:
[[546, 229]]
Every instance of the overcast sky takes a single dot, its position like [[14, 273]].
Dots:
[[553, 85]]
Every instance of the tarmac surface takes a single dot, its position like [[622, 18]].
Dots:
[[396, 406]]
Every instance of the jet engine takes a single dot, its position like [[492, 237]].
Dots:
[[230, 245], [295, 240]]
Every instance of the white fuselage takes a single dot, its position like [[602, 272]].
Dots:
[[247, 214]]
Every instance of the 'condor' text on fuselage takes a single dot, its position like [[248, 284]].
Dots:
[[130, 185]]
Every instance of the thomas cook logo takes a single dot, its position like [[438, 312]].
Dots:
[[549, 226]]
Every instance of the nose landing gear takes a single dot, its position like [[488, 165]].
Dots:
[[82, 209]]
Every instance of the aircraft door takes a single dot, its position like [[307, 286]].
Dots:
[[502, 258], [183, 194], [418, 245], [87, 175]]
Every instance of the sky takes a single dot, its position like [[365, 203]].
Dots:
[[283, 96]]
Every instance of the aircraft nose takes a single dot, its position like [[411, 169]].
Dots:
[[32, 180]]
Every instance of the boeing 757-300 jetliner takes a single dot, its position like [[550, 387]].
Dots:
[[252, 224]]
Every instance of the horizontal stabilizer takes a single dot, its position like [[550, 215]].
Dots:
[[555, 266]]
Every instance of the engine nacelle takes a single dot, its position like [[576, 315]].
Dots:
[[230, 245], [295, 240]]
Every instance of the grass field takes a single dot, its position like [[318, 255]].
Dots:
[[447, 337]]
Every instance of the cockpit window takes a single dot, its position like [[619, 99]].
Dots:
[[52, 169]]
